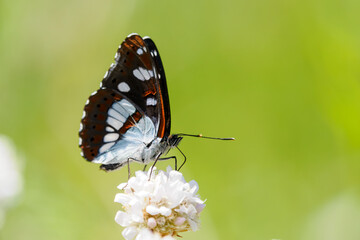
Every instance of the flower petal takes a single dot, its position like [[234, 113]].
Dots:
[[122, 198], [153, 210], [123, 219], [146, 234], [165, 211], [193, 225], [176, 176], [122, 186], [129, 233], [194, 186], [200, 207]]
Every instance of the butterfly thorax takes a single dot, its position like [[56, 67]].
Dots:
[[158, 147], [153, 150]]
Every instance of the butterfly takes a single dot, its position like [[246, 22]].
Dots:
[[128, 118]]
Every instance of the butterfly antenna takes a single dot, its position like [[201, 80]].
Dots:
[[201, 136]]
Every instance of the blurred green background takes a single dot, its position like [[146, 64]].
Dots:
[[282, 77]]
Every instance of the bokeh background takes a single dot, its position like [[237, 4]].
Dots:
[[282, 77]]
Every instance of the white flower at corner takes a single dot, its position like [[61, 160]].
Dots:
[[159, 207], [10, 175]]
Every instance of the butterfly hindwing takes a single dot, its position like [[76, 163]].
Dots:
[[107, 116]]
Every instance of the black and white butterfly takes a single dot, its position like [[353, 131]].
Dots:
[[128, 118]]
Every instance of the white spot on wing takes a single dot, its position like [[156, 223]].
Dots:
[[138, 75], [109, 129], [117, 106], [111, 137], [116, 115], [81, 153], [114, 123], [84, 114], [106, 147], [151, 73], [81, 127], [155, 53], [124, 108], [106, 74], [132, 34], [128, 106], [93, 93], [123, 87], [87, 102], [80, 141], [142, 74], [145, 73], [151, 102], [140, 51], [117, 56]]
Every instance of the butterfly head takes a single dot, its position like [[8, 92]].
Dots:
[[173, 140]]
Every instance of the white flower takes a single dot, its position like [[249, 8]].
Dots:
[[160, 207], [10, 177]]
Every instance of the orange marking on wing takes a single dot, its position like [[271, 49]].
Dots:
[[161, 131], [148, 92], [130, 122]]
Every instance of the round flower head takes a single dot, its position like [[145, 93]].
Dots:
[[10, 175], [158, 205]]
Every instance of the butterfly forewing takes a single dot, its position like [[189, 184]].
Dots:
[[136, 76], [165, 120]]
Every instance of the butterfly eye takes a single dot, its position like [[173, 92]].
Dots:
[[114, 80], [98, 106]]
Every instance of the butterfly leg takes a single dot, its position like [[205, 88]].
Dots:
[[128, 163], [172, 157], [184, 158], [152, 167], [144, 168]]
